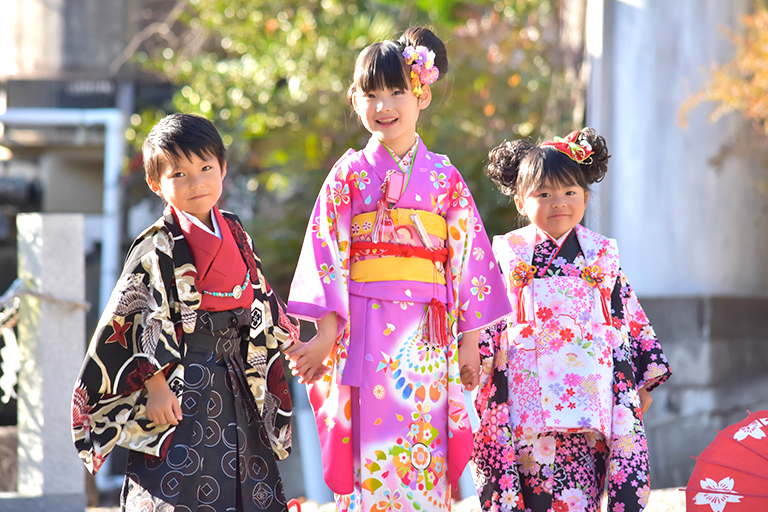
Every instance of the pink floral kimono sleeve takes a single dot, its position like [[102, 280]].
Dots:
[[478, 295], [319, 286]]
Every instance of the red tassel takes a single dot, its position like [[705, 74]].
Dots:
[[606, 311], [437, 324], [521, 307], [383, 223]]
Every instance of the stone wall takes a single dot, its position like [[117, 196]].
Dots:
[[717, 348]]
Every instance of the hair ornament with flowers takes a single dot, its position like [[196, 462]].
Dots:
[[423, 69], [580, 152]]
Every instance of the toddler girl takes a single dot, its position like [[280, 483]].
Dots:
[[566, 377]]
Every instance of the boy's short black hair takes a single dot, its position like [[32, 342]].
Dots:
[[180, 134]]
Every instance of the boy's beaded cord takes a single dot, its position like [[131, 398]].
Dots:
[[236, 292]]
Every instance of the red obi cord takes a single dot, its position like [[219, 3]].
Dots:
[[384, 249], [437, 317]]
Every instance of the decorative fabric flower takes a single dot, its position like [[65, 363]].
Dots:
[[423, 69]]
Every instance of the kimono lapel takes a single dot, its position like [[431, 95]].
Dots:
[[185, 272], [203, 246], [599, 250], [379, 158], [519, 245]]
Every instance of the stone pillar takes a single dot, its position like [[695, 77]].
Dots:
[[51, 336], [688, 208]]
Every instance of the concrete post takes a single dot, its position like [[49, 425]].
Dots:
[[51, 336]]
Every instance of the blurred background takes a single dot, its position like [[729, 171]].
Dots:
[[678, 89]]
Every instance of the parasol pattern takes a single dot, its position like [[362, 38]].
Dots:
[[731, 474]]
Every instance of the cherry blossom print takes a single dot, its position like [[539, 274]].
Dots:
[[754, 429], [362, 179], [340, 193], [723, 494], [439, 180], [575, 499], [326, 273], [479, 288], [460, 195]]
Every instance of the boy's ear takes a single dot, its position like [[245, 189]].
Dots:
[[426, 97], [154, 187], [223, 169]]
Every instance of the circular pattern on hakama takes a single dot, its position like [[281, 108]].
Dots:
[[196, 376], [215, 404], [171, 483], [257, 468], [212, 434], [262, 495], [208, 492], [190, 403]]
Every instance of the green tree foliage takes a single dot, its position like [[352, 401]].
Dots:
[[273, 76]]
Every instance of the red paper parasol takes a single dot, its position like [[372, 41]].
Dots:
[[731, 474]]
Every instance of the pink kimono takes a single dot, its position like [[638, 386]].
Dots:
[[391, 411]]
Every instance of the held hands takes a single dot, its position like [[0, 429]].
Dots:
[[469, 360], [162, 405], [306, 359], [645, 400]]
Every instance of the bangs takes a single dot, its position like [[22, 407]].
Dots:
[[548, 166], [174, 153], [169, 154], [381, 66]]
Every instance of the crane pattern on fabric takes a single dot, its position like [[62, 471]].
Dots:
[[141, 332]]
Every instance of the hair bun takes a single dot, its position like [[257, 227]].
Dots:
[[504, 164], [598, 166], [422, 36]]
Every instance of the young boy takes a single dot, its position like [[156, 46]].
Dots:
[[184, 368]]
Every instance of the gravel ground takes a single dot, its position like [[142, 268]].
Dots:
[[662, 500]]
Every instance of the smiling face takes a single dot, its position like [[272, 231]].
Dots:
[[554, 208], [390, 115], [192, 184]]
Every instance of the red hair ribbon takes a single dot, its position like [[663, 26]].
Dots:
[[522, 276], [595, 278], [577, 153]]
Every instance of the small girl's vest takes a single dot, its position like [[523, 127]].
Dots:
[[560, 337]]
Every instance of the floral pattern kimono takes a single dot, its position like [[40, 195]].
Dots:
[[393, 428], [151, 311], [558, 399]]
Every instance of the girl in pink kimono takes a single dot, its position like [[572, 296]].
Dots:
[[395, 265], [565, 378]]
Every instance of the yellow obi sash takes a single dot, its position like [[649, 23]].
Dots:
[[399, 268], [435, 225]]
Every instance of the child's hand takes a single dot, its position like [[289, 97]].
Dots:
[[469, 360], [162, 405], [645, 400], [306, 359]]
